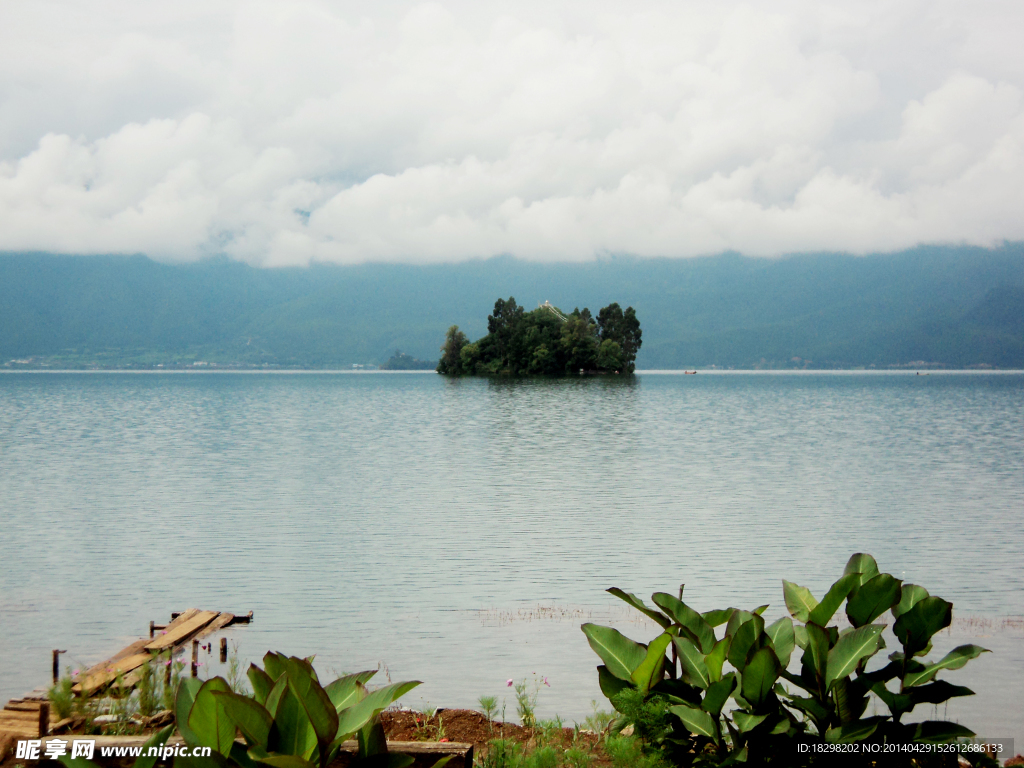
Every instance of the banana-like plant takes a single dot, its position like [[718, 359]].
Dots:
[[291, 721], [827, 698]]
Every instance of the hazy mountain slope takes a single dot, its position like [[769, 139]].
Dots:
[[955, 306]]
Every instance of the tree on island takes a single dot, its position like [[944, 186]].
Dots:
[[545, 342]]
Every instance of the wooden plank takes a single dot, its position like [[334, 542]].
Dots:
[[219, 623], [182, 632], [109, 674], [15, 705]]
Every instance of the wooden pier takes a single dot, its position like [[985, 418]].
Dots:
[[31, 717]]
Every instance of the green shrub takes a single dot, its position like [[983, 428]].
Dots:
[[824, 702]]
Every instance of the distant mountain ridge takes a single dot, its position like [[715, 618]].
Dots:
[[949, 306]]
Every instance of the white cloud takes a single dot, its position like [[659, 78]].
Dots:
[[285, 133]]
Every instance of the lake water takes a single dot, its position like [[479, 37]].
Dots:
[[459, 531]]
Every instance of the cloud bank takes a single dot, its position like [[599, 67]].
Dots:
[[287, 133]]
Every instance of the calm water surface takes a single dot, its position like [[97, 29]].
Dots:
[[459, 531]]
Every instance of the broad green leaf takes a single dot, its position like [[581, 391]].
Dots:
[[273, 702], [910, 595], [313, 699], [915, 628], [811, 706], [76, 762], [940, 732], [183, 701], [863, 565], [240, 756], [347, 690], [262, 683], [955, 659], [652, 668], [745, 722], [744, 639], [291, 733], [716, 659], [783, 639], [286, 761], [372, 739], [685, 616], [618, 652], [697, 721], [641, 606], [800, 636], [208, 720], [739, 618], [817, 650], [717, 694], [761, 609], [694, 669], [758, 678], [356, 716], [609, 683], [856, 731], [252, 718], [852, 647], [826, 609], [936, 693], [898, 703], [273, 663], [158, 739], [799, 600], [718, 617], [850, 698], [873, 598]]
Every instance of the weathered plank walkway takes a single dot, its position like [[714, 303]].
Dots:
[[30, 717]]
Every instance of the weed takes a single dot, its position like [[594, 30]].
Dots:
[[502, 753], [628, 752], [577, 758], [599, 721], [489, 706], [148, 687], [62, 696], [526, 699], [236, 675]]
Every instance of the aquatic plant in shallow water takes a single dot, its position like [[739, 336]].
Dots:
[[678, 705]]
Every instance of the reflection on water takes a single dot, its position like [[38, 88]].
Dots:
[[369, 518]]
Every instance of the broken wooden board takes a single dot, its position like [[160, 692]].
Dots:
[[182, 632], [219, 623], [109, 674]]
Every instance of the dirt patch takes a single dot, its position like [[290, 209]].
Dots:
[[467, 726]]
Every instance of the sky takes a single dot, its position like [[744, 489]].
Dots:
[[287, 133]]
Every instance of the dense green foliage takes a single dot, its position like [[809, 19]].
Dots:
[[956, 306], [545, 342], [680, 705], [403, 362], [290, 721]]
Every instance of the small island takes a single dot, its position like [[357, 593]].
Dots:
[[545, 342]]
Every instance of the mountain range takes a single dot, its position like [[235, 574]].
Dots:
[[943, 306]]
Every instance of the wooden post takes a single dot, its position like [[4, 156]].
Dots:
[[167, 673], [44, 719], [56, 664], [195, 658], [152, 629], [223, 650], [175, 614]]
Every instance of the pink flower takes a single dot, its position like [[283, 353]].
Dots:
[[509, 683], [546, 682]]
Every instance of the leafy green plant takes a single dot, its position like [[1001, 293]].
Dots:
[[168, 689], [291, 721], [62, 696], [488, 706], [679, 704], [144, 760], [148, 687]]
